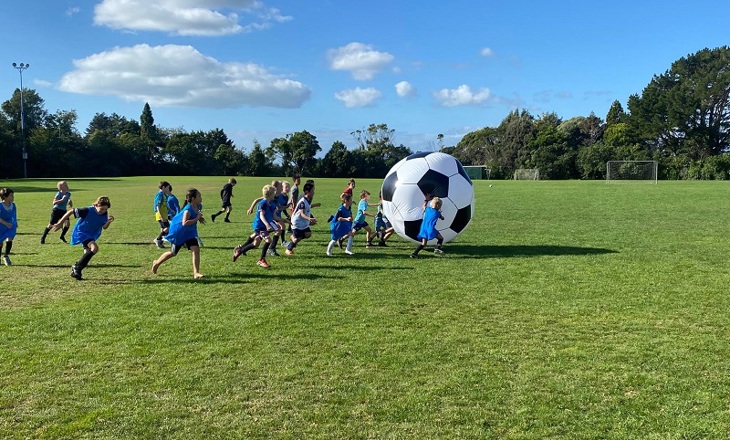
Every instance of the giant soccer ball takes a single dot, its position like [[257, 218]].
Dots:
[[409, 181]]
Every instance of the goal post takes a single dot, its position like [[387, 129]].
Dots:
[[527, 174], [632, 171]]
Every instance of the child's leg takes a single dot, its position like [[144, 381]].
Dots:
[[330, 246], [196, 261], [158, 262], [228, 211], [420, 246], [8, 246], [66, 226], [349, 244], [368, 236], [45, 233], [265, 248]]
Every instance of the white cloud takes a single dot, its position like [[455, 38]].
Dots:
[[185, 17], [361, 60], [462, 95], [404, 89], [358, 97], [72, 11], [486, 52], [174, 75]]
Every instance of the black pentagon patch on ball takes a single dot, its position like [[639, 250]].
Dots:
[[389, 185], [417, 155], [412, 228], [434, 183], [461, 219], [462, 171]]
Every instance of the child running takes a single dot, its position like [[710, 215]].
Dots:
[[383, 228], [280, 202], [8, 222], [61, 203], [226, 194], [160, 209], [91, 221], [428, 231], [341, 225], [173, 205], [362, 213], [184, 232], [264, 223], [302, 219]]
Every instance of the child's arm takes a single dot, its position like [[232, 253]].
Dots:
[[65, 217], [59, 200], [253, 205], [108, 222]]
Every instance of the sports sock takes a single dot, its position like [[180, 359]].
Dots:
[[264, 249], [274, 242], [418, 249], [8, 246], [349, 244], [439, 243], [330, 246], [292, 245], [45, 234], [63, 232], [84, 261]]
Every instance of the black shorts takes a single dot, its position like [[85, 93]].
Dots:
[[300, 233], [357, 226], [56, 215], [164, 224], [188, 244], [226, 204]]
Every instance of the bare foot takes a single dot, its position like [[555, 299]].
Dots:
[[198, 276], [155, 266]]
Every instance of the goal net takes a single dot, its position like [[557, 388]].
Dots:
[[632, 171], [527, 174]]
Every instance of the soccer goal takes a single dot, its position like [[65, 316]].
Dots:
[[527, 174], [632, 171]]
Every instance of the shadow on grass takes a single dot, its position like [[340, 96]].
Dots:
[[92, 266], [522, 251], [233, 278]]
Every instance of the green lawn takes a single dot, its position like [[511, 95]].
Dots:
[[572, 310]]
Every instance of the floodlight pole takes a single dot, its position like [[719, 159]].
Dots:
[[20, 68]]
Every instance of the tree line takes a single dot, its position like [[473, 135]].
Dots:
[[681, 119]]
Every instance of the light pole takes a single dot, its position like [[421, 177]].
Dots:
[[21, 67]]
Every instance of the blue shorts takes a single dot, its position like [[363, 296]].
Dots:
[[357, 226]]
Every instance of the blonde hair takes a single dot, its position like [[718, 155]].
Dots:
[[103, 201], [60, 184], [268, 191], [436, 203]]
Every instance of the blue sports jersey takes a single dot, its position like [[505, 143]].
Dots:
[[281, 200], [173, 206], [428, 226], [180, 233], [338, 228], [89, 224], [267, 208], [63, 205], [10, 215], [361, 208]]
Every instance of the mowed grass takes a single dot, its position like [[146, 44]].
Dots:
[[567, 310]]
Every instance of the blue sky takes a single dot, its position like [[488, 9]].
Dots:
[[263, 69]]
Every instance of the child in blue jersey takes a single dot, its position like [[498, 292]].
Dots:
[[264, 224], [159, 207], [341, 225], [280, 203], [8, 222], [61, 203], [184, 232], [360, 223], [226, 206], [431, 215], [383, 228], [173, 205], [91, 221], [301, 219]]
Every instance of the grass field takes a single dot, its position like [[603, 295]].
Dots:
[[567, 310]]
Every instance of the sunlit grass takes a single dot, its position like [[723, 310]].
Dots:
[[566, 310]]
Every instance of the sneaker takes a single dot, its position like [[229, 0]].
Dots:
[[369, 245], [75, 272], [63, 239], [438, 251], [285, 243], [289, 252], [212, 218], [263, 263], [6, 260], [158, 243], [43, 241], [329, 254], [237, 252], [272, 252], [414, 255], [227, 221], [382, 243], [349, 252]]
